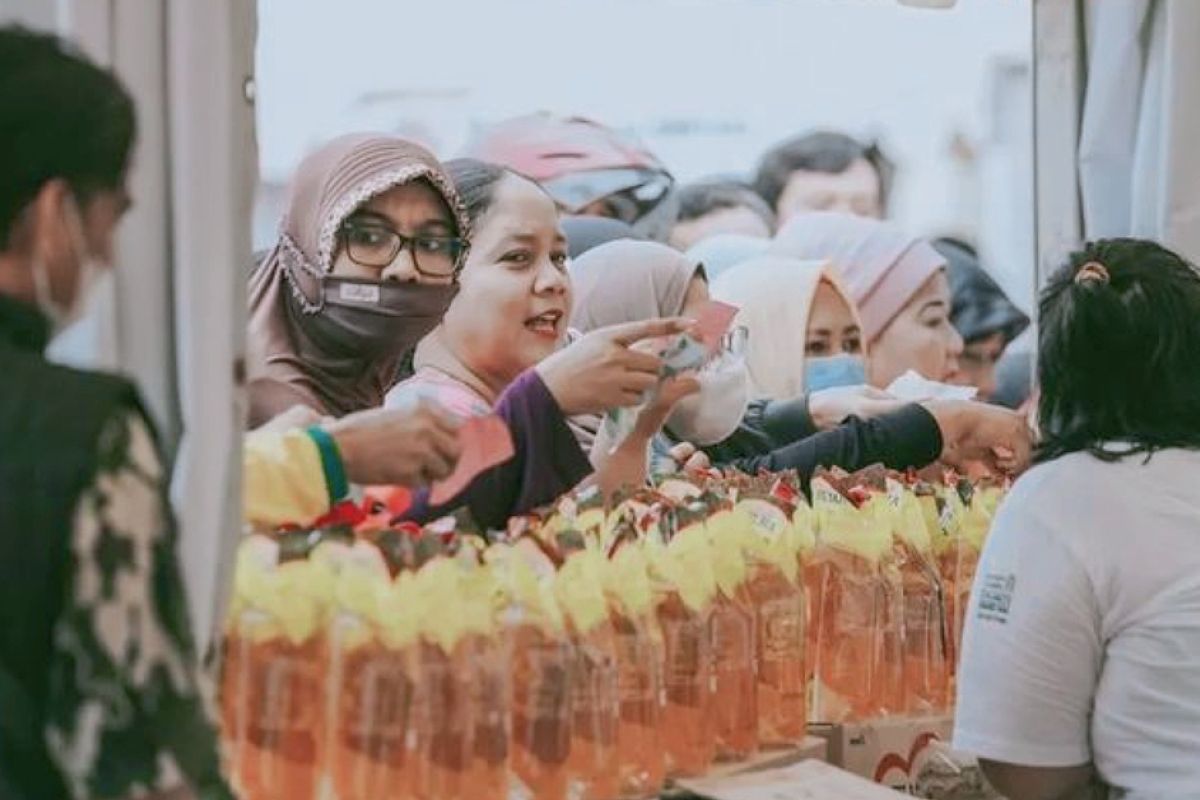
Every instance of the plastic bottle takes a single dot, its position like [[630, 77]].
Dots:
[[779, 616], [735, 705], [640, 763], [278, 678], [541, 713], [374, 679]]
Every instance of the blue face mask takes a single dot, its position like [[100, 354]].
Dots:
[[832, 371]]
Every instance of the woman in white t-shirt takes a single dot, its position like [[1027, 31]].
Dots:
[[1081, 660]]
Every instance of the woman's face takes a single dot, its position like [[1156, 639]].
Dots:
[[411, 210], [512, 308], [920, 338], [977, 366], [832, 328]]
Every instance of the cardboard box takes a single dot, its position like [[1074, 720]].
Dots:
[[808, 780], [813, 747], [890, 751]]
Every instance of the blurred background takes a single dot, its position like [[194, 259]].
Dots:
[[707, 85]]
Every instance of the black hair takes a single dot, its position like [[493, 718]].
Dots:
[[980, 308], [704, 197], [818, 151], [61, 117], [476, 183], [1119, 357]]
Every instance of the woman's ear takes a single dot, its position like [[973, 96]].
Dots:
[[50, 239], [38, 229]]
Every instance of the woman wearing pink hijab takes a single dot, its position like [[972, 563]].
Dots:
[[899, 284]]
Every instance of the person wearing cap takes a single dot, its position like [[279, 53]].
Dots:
[[588, 168], [982, 314]]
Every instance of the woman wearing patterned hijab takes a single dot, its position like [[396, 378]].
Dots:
[[366, 264]]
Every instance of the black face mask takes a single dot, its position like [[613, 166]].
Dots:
[[364, 319]]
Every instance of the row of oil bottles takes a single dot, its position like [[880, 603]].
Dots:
[[591, 652]]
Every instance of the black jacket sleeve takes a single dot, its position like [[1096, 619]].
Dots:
[[907, 437], [766, 426]]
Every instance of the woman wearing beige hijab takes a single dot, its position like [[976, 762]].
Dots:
[[899, 283], [626, 281], [804, 333], [806, 338]]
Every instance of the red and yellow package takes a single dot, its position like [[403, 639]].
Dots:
[[853, 610], [926, 650], [640, 764], [732, 630], [276, 670], [776, 590], [579, 589], [684, 588], [540, 670], [373, 638]]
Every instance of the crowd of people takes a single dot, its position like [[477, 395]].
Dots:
[[537, 279]]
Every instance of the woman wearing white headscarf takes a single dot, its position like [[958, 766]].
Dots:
[[899, 284], [804, 333], [626, 281]]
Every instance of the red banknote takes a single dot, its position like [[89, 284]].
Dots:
[[485, 442], [712, 323]]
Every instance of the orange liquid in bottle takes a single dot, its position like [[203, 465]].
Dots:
[[968, 562], [230, 693], [947, 566], [594, 715], [847, 638], [641, 768], [541, 713], [735, 707], [813, 571], [888, 674], [688, 730], [281, 724], [779, 615], [488, 774], [443, 730], [926, 660], [371, 722]]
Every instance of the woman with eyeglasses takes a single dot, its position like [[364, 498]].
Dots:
[[367, 263], [364, 266], [507, 331]]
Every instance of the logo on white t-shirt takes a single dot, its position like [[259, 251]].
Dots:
[[995, 596]]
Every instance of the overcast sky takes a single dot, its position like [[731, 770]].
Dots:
[[708, 84]]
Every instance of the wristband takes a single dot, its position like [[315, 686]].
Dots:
[[331, 463]]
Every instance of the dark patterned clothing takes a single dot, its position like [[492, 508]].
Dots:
[[99, 692]]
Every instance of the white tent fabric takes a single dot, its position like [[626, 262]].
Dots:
[[1058, 87], [210, 49], [174, 317], [1128, 71]]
